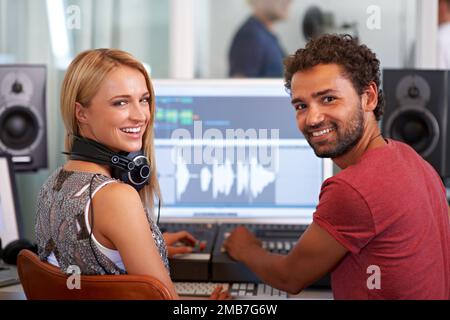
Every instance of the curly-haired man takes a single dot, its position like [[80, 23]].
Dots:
[[382, 224]]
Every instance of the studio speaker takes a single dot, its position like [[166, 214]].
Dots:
[[23, 116], [417, 113]]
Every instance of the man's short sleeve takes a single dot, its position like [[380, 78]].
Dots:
[[344, 214]]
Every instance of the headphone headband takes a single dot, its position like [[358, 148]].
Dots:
[[132, 168]]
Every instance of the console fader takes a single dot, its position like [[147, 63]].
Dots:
[[193, 266], [210, 262]]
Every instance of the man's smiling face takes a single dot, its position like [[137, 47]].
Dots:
[[328, 109]]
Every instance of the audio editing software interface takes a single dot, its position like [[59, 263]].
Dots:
[[229, 152]]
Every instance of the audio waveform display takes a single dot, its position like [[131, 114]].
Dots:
[[219, 179]]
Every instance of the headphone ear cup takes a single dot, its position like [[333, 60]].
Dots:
[[11, 251], [138, 173]]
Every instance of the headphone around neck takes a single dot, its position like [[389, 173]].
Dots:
[[132, 168]]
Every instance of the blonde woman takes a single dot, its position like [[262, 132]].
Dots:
[[85, 216]]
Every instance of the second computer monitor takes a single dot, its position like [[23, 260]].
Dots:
[[230, 150]]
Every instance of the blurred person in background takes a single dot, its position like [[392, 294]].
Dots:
[[255, 51]]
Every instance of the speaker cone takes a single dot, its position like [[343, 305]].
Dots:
[[416, 127], [19, 127]]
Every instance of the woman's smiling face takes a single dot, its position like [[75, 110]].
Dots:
[[119, 113]]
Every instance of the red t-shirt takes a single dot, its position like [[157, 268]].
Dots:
[[390, 211]]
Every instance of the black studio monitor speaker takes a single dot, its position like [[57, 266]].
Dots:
[[23, 115], [417, 113]]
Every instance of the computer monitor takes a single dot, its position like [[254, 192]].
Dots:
[[9, 226], [230, 150]]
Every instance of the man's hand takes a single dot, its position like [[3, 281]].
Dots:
[[179, 242], [239, 242]]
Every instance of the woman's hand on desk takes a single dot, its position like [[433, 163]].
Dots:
[[219, 294], [184, 238]]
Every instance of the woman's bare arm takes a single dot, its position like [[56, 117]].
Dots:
[[121, 223]]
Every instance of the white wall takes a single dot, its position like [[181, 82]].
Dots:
[[392, 42], [137, 26], [142, 29], [225, 18]]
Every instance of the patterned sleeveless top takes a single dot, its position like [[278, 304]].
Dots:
[[61, 228]]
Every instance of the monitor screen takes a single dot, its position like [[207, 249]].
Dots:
[[231, 149], [9, 229]]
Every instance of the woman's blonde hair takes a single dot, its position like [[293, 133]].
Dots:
[[83, 79]]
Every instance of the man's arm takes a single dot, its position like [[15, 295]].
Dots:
[[315, 254]]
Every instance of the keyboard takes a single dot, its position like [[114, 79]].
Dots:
[[237, 290], [8, 275], [273, 246]]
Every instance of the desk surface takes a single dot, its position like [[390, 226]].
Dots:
[[15, 292]]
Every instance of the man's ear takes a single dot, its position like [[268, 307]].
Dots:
[[81, 113], [370, 97]]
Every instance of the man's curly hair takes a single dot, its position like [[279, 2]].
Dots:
[[359, 63]]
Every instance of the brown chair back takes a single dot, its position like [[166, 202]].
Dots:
[[43, 281]]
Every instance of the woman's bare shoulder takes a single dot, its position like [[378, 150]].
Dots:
[[118, 196]]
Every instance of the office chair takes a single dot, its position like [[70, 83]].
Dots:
[[43, 281]]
